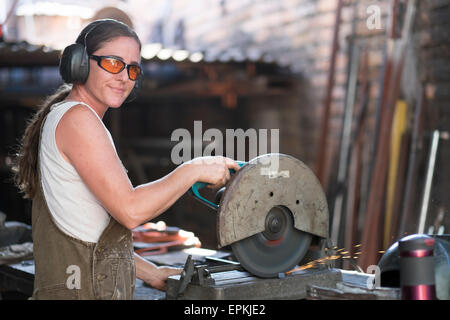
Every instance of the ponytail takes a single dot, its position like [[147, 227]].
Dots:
[[25, 164]]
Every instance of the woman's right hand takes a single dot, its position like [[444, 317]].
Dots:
[[214, 170]]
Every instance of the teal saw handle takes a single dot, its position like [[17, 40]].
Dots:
[[194, 190]]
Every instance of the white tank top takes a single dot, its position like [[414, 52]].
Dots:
[[75, 210]]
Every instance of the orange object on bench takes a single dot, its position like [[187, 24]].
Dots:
[[160, 238]]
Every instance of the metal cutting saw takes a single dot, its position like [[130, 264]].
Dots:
[[269, 212]]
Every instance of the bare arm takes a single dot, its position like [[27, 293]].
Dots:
[[83, 142]]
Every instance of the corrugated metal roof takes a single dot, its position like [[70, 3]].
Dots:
[[26, 54]]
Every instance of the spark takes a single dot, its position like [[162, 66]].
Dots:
[[334, 253], [313, 264]]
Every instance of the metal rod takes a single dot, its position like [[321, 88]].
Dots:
[[345, 144], [413, 162], [353, 201], [328, 97], [215, 259], [428, 181]]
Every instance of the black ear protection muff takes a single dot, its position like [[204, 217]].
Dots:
[[74, 63]]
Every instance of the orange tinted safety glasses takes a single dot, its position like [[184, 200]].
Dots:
[[115, 65]]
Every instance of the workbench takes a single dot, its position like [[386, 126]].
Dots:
[[19, 277]]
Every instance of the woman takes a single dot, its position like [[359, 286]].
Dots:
[[84, 205]]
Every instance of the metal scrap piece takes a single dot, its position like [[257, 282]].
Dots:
[[186, 275]]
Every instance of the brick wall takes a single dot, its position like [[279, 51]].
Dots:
[[298, 34]]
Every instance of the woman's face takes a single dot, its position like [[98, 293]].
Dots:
[[112, 89]]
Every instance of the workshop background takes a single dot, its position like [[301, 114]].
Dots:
[[359, 90]]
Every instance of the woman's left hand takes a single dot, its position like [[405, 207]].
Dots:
[[158, 280]]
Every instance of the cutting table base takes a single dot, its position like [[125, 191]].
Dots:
[[241, 285]]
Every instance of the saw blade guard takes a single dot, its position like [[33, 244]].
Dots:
[[266, 182]]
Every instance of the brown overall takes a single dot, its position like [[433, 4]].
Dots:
[[69, 268]]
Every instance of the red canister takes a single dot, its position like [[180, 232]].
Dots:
[[417, 279]]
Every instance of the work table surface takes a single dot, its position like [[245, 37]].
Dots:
[[19, 277]]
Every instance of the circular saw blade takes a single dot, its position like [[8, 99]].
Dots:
[[279, 248]]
